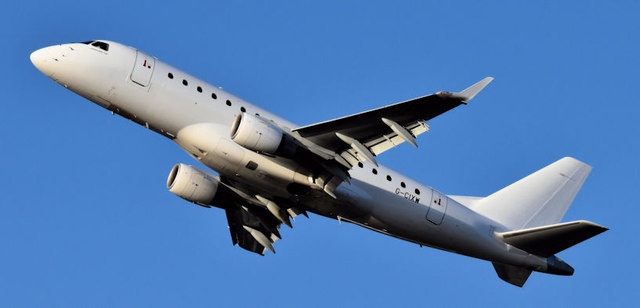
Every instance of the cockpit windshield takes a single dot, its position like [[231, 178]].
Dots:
[[102, 45]]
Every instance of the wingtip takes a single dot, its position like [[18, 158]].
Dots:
[[470, 92]]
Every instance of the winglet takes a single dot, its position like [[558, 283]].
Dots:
[[468, 93]]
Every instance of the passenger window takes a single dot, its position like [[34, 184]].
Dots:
[[214, 96], [228, 103], [184, 82], [360, 165], [170, 76], [403, 185], [242, 109], [199, 89], [102, 45], [374, 171], [417, 191]]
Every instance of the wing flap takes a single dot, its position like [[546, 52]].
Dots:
[[389, 141], [252, 228]]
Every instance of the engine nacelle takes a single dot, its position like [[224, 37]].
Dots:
[[256, 134], [192, 184]]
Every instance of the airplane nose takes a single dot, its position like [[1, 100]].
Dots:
[[43, 59]]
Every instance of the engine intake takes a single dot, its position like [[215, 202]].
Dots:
[[256, 134], [192, 184]]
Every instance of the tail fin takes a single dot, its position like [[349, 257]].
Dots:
[[512, 274], [539, 199]]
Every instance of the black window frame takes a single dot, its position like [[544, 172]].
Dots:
[[100, 44]]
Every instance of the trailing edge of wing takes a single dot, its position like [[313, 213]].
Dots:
[[362, 136], [385, 127], [252, 228]]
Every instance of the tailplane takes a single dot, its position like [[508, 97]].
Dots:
[[546, 241], [533, 208]]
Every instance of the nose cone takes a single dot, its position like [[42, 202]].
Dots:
[[43, 59]]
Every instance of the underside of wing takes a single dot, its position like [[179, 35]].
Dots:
[[364, 135], [255, 220], [252, 229]]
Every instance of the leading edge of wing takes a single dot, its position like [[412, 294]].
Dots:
[[403, 112], [335, 125]]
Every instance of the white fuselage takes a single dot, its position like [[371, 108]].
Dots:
[[198, 117]]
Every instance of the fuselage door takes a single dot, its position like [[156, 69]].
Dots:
[[437, 207], [143, 68]]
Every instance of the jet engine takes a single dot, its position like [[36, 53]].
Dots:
[[192, 184], [256, 134]]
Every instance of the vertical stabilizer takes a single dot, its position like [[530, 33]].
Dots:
[[539, 199], [512, 274]]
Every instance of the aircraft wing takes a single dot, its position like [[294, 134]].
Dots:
[[364, 135], [254, 221], [253, 229]]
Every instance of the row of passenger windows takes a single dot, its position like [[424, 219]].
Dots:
[[199, 89], [242, 109], [375, 171]]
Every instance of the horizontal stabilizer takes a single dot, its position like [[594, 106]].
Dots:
[[548, 240], [512, 274]]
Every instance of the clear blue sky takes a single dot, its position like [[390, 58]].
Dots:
[[86, 220]]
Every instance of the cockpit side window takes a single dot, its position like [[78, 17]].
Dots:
[[102, 45]]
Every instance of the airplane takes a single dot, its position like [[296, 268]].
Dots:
[[270, 170]]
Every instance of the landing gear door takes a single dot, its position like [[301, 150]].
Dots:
[[143, 68], [437, 207]]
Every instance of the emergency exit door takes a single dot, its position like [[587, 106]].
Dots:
[[437, 207], [143, 68]]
